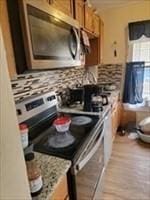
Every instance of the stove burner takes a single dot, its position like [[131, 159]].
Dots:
[[60, 140], [81, 120]]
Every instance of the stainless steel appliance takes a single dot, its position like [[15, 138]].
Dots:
[[88, 170], [86, 150], [51, 38]]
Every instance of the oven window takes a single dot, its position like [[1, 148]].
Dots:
[[51, 37]]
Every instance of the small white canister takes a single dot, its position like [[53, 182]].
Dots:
[[24, 134]]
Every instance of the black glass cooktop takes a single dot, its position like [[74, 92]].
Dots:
[[75, 137]]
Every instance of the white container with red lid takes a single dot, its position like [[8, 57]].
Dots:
[[24, 134], [62, 123]]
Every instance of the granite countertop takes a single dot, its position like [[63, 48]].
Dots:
[[79, 108], [52, 170]]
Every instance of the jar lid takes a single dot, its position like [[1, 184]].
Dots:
[[23, 126], [29, 156], [61, 120]]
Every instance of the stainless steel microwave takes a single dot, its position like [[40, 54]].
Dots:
[[51, 38]]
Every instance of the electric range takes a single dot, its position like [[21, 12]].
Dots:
[[86, 148], [40, 112]]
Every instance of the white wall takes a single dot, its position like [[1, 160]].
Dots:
[[13, 177], [115, 28]]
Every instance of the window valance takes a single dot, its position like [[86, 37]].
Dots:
[[138, 29]]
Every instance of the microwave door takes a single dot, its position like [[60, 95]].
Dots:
[[74, 43], [52, 38]]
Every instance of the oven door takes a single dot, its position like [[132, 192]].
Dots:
[[90, 169]]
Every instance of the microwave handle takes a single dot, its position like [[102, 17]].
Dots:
[[95, 147], [77, 42]]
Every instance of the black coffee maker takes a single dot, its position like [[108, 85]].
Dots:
[[76, 95], [89, 91]]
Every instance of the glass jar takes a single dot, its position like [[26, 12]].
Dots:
[[34, 175], [24, 134]]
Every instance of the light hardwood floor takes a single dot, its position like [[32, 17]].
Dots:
[[128, 172]]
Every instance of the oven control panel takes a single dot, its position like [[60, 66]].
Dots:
[[35, 105]]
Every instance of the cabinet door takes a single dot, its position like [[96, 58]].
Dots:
[[64, 6], [119, 113], [88, 18], [96, 24], [61, 191], [93, 57], [116, 117], [113, 123], [79, 12], [48, 1]]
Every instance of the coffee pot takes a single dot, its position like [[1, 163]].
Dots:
[[98, 102]]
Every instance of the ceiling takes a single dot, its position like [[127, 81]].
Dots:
[[106, 4]]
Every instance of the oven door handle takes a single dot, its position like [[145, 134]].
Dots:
[[95, 147]]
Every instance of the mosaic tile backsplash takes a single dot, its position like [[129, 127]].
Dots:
[[110, 73], [30, 84]]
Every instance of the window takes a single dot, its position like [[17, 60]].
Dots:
[[141, 52]]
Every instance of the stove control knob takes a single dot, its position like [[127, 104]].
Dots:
[[49, 99], [19, 112], [53, 97]]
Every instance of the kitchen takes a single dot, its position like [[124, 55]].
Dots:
[[82, 85]]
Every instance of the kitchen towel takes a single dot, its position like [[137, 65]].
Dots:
[[85, 42]]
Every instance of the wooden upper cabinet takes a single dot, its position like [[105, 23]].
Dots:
[[47, 1], [92, 58], [66, 6], [79, 11], [92, 21], [96, 24], [88, 22]]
